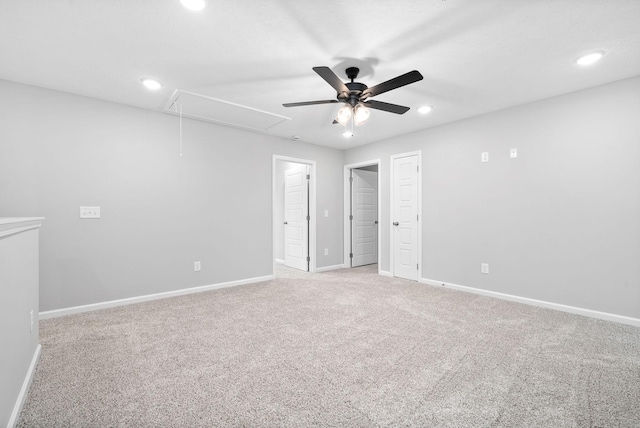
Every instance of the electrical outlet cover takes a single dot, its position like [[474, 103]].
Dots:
[[89, 212]]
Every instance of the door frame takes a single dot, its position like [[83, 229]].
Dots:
[[312, 208], [347, 208], [420, 218]]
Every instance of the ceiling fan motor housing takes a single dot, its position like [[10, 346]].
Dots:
[[355, 88]]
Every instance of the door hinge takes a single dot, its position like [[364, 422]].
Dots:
[[350, 179], [308, 259], [350, 216], [308, 218], [417, 168], [308, 177], [351, 255], [417, 217], [417, 267]]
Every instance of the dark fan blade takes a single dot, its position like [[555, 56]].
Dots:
[[310, 103], [332, 79], [397, 82], [392, 108]]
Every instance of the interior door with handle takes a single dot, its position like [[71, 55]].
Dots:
[[405, 217], [296, 229]]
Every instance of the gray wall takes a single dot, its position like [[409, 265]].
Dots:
[[373, 168], [18, 296], [160, 212], [561, 223]]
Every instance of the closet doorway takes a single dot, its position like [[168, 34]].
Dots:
[[362, 213], [293, 207]]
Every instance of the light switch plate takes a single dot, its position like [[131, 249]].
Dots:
[[89, 212], [484, 157], [513, 153]]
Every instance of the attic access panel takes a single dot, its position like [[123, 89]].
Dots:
[[209, 109]]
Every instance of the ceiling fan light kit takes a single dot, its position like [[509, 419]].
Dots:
[[344, 114], [356, 96], [360, 114]]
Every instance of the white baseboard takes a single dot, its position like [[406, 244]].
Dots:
[[385, 273], [17, 408], [540, 303], [121, 302], [326, 268], [280, 261]]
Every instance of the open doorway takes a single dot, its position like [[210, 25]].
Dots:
[[362, 212], [293, 202]]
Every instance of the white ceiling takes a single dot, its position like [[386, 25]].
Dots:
[[475, 56]]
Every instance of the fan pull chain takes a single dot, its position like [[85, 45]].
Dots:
[[353, 119]]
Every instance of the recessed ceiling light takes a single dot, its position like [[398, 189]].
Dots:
[[425, 109], [590, 58], [154, 85], [194, 4]]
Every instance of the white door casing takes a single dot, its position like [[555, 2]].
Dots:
[[295, 213], [364, 225], [404, 216]]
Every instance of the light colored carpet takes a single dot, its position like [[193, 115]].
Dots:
[[345, 348]]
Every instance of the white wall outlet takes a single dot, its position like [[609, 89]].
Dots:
[[196, 266], [484, 268], [326, 251], [31, 330], [484, 157], [513, 153], [89, 212]]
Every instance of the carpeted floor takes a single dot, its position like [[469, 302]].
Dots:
[[345, 348]]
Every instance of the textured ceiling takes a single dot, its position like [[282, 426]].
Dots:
[[475, 56]]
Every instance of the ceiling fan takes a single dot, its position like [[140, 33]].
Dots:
[[356, 95]]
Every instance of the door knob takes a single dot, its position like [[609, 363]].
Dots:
[[375, 222], [286, 222], [395, 223]]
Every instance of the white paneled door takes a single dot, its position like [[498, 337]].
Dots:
[[364, 224], [405, 217], [296, 211]]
